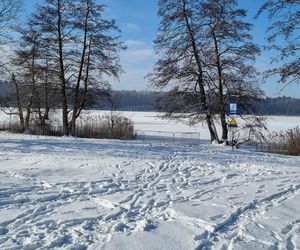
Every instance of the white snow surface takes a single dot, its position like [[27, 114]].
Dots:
[[149, 193]]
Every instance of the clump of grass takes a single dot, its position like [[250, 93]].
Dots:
[[293, 139], [287, 142], [110, 126], [13, 127]]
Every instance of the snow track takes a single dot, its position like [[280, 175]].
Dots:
[[89, 194]]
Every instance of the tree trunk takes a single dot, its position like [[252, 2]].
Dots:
[[63, 83], [208, 117], [45, 116], [86, 80], [222, 109], [76, 104], [18, 102], [32, 93], [28, 109], [205, 109]]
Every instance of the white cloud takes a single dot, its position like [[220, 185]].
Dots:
[[139, 53], [135, 43], [131, 27], [133, 79], [137, 61], [136, 56]]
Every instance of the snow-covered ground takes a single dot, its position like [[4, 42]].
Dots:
[[65, 193], [150, 193]]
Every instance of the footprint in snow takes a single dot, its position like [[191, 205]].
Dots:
[[3, 231]]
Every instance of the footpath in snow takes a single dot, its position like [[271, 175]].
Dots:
[[64, 193]]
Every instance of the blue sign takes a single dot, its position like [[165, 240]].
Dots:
[[233, 108]]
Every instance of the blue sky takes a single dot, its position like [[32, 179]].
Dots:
[[138, 21]]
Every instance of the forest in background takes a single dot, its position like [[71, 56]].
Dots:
[[132, 100]]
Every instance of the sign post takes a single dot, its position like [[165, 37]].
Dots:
[[232, 125]]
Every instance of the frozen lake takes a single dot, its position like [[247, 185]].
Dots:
[[150, 121]]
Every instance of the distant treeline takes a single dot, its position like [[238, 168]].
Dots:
[[129, 100], [146, 101], [279, 106], [132, 100]]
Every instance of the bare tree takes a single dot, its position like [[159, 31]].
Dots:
[[230, 56], [82, 48], [18, 101], [205, 59], [25, 62], [284, 37], [8, 11], [32, 82], [47, 91], [98, 52], [180, 68]]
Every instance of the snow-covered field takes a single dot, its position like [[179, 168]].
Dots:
[[65, 193]]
